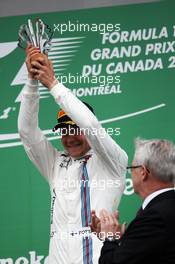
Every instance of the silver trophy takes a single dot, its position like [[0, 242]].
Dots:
[[37, 33]]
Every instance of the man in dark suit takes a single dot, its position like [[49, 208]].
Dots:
[[150, 237]]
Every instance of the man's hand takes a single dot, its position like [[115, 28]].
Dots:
[[95, 225], [30, 51], [110, 226], [40, 69], [107, 225], [43, 70]]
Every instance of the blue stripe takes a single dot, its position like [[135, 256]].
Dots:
[[84, 251], [90, 251]]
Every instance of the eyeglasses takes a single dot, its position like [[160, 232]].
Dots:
[[129, 168]]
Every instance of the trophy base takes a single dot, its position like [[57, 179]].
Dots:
[[37, 57]]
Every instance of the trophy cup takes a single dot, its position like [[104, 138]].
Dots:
[[38, 34]]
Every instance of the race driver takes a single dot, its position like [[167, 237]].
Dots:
[[76, 174]]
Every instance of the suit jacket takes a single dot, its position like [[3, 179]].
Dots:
[[150, 237]]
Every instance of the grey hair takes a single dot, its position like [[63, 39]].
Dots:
[[158, 156]]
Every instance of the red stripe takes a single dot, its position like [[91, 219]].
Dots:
[[86, 218], [87, 249], [85, 205]]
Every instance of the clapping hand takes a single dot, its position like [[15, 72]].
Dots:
[[107, 225]]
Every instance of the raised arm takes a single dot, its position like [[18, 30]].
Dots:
[[37, 147]]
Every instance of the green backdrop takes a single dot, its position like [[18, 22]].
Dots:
[[140, 102]]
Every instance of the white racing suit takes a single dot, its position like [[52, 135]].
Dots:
[[71, 241]]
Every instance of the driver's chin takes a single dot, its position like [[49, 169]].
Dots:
[[75, 152]]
